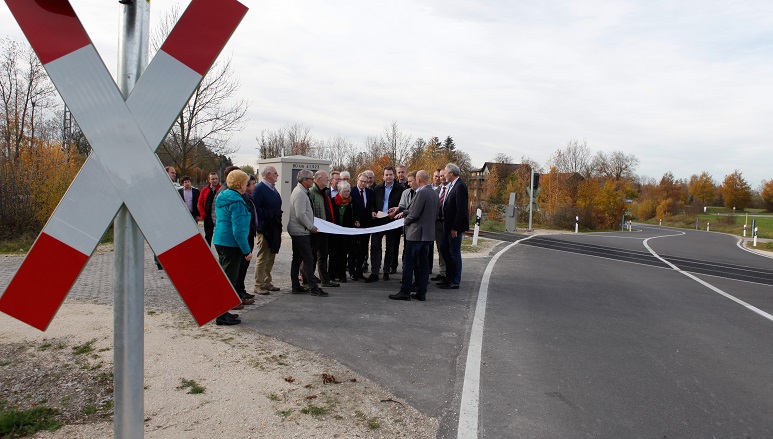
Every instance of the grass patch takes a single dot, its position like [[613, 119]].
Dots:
[[467, 246], [273, 397], [372, 423], [284, 413], [492, 226], [193, 387], [85, 348], [315, 411], [14, 423], [17, 246]]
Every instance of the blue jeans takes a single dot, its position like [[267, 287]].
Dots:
[[452, 254], [416, 254]]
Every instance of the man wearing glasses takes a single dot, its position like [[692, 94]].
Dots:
[[362, 197]]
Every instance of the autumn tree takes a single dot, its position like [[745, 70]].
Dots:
[[736, 191], [616, 165], [702, 187], [766, 192]]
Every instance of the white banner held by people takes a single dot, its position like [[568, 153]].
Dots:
[[334, 229]]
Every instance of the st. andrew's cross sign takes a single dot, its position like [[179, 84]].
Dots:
[[123, 168]]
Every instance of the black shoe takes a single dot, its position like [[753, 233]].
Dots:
[[159, 266], [438, 278], [393, 271], [448, 287], [400, 296], [232, 315], [319, 292], [299, 290], [226, 319], [247, 296], [386, 276], [371, 278], [421, 298], [355, 278], [444, 283], [331, 284]]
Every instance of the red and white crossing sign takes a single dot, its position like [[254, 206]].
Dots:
[[123, 168]]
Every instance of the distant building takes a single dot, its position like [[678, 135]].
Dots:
[[478, 176]]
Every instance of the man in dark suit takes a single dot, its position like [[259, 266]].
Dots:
[[268, 207], [191, 197], [456, 221], [419, 236], [362, 197], [387, 195]]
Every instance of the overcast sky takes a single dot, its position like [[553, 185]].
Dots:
[[684, 85]]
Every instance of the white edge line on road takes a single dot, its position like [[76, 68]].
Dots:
[[468, 410], [740, 245], [708, 285]]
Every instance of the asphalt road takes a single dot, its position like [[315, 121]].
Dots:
[[593, 336]]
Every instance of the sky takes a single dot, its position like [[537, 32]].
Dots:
[[686, 86]]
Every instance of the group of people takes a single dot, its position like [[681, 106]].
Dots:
[[434, 212]]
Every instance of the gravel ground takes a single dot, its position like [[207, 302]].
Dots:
[[255, 386]]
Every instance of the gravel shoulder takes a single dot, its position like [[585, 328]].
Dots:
[[254, 386]]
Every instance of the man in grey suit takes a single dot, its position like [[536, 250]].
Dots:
[[419, 236]]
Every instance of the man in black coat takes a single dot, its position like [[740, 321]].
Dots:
[[362, 197], [268, 207], [456, 221], [386, 196]]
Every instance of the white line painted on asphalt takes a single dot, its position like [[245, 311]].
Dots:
[[468, 410], [741, 246], [708, 285]]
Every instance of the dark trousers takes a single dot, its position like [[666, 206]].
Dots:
[[240, 288], [360, 253], [209, 229], [302, 253], [342, 256], [451, 249], [416, 255], [376, 246], [231, 260], [319, 248], [396, 254]]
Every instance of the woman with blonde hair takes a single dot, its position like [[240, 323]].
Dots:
[[231, 231]]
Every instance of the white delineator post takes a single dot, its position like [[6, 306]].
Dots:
[[122, 157], [576, 224], [707, 227], [744, 230], [755, 237], [478, 214]]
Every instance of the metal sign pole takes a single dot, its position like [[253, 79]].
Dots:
[[129, 288], [531, 196]]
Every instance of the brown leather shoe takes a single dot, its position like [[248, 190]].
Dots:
[[248, 301], [239, 306]]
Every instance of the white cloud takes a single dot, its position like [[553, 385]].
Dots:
[[684, 86]]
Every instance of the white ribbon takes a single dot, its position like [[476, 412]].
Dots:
[[334, 229]]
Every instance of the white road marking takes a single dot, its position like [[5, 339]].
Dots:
[[742, 247], [469, 407], [708, 285]]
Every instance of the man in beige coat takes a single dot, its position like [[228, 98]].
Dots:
[[300, 227]]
